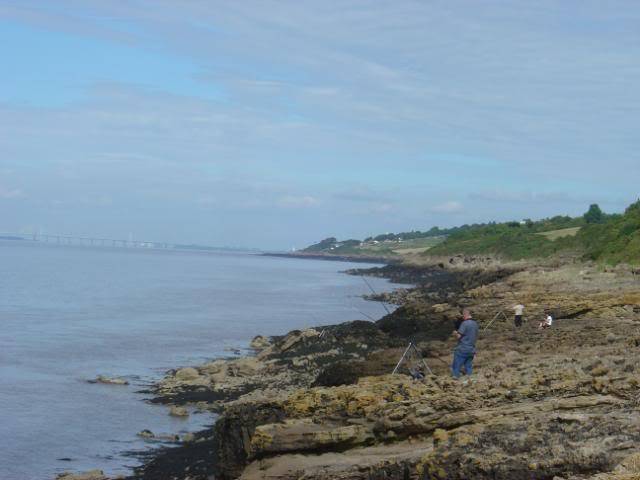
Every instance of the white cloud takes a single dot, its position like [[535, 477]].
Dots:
[[451, 206], [10, 193], [207, 201], [526, 196], [382, 208], [293, 201]]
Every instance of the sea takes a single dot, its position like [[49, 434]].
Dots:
[[70, 313]]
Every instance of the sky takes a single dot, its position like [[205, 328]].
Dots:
[[276, 124]]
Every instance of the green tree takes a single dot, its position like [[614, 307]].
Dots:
[[594, 214]]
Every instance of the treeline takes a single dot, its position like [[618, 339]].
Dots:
[[614, 239], [611, 238], [412, 235], [539, 225]]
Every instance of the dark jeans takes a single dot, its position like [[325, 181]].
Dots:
[[461, 359], [518, 320]]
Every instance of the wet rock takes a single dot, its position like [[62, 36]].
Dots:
[[149, 435], [176, 411], [187, 374], [109, 380], [296, 337], [244, 367], [260, 342], [89, 475], [233, 431], [305, 435]]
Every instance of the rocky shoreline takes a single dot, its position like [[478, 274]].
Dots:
[[335, 257], [322, 404]]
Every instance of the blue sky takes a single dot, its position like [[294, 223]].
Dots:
[[276, 124]]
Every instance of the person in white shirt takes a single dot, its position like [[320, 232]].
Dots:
[[518, 309], [547, 322]]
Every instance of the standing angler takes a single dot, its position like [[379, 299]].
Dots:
[[518, 309], [465, 350]]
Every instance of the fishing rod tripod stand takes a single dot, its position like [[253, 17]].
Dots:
[[412, 349], [494, 318]]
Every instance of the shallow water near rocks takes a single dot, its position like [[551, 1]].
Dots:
[[68, 314]]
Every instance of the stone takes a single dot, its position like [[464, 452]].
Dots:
[[630, 464], [441, 307], [244, 367], [149, 435], [301, 435], [186, 374], [260, 342], [440, 436], [89, 475], [176, 411], [109, 380]]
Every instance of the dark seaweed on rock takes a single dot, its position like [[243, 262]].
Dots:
[[191, 459], [345, 340], [232, 435], [195, 394], [411, 274]]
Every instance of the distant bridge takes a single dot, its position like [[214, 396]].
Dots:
[[84, 241]]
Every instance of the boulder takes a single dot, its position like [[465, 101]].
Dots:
[[109, 380], [260, 342], [305, 435], [441, 307], [149, 435], [89, 475], [296, 336], [187, 374], [176, 411], [244, 367]]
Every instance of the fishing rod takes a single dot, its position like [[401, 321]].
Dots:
[[375, 293], [362, 313]]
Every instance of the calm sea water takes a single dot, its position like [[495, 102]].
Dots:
[[68, 314]]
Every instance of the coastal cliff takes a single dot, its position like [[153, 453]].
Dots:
[[322, 404]]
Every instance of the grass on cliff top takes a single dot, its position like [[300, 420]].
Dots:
[[594, 236], [512, 240], [563, 232], [613, 239], [389, 248]]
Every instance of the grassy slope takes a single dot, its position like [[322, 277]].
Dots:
[[562, 232], [615, 240], [510, 240], [381, 249]]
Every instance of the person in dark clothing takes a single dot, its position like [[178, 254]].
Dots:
[[457, 323], [465, 350]]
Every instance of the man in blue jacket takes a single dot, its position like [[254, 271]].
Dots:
[[467, 334]]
